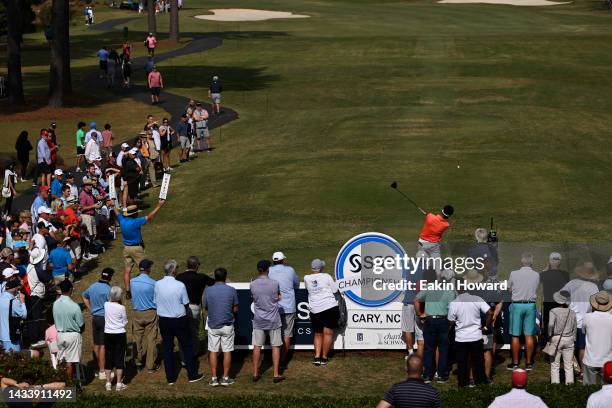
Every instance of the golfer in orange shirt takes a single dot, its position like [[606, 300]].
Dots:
[[431, 235]]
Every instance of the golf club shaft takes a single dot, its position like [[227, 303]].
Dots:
[[410, 199]]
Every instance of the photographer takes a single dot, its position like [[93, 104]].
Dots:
[[12, 311]]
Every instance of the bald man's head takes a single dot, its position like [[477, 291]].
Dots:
[[414, 366]]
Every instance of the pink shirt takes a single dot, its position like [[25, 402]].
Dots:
[[151, 42], [155, 79], [51, 338], [107, 137]]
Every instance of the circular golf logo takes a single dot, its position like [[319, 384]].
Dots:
[[361, 269]]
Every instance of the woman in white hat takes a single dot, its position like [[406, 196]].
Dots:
[[562, 333], [324, 312]]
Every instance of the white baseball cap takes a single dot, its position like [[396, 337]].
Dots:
[[45, 210], [125, 146], [133, 150], [8, 272], [58, 172], [278, 256]]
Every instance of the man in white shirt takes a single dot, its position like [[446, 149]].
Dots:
[[597, 327], [92, 150], [39, 241], [93, 134], [518, 397], [465, 312], [523, 284], [172, 302], [581, 289], [124, 149], [603, 398]]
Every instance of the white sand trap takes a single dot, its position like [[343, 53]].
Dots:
[[527, 3], [247, 15]]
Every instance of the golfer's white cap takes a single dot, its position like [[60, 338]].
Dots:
[[278, 256], [125, 146], [8, 272], [45, 210], [58, 172]]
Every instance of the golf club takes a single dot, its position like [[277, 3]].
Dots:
[[394, 186]]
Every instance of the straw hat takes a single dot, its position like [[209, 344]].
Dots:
[[601, 301], [36, 255], [587, 271], [562, 297], [472, 276]]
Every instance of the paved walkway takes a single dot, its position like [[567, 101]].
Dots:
[[173, 104]]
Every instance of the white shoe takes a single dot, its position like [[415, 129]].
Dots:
[[93, 256], [102, 375], [77, 170], [38, 344], [22, 180], [120, 387], [109, 386]]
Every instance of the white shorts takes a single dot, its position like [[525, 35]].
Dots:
[[259, 337], [70, 347], [223, 338]]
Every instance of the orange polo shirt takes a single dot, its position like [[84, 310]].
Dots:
[[434, 227]]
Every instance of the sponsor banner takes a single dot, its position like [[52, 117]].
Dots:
[[370, 339]]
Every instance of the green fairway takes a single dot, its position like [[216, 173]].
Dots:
[[501, 111]]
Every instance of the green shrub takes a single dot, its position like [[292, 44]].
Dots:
[[32, 371], [558, 396]]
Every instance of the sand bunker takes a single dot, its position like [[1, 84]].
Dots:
[[247, 15], [527, 3]]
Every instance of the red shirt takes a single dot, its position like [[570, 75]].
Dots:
[[72, 219], [434, 227]]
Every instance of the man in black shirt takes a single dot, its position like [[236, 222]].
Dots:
[[195, 283], [412, 393], [553, 279]]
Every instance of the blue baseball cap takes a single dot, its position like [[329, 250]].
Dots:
[[92, 125]]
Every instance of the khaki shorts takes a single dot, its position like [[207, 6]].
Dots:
[[89, 221], [287, 321], [259, 337], [223, 338], [70, 347], [410, 323], [185, 142], [132, 255]]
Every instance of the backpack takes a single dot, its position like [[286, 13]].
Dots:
[[15, 324], [343, 312]]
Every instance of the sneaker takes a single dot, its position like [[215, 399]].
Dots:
[[198, 378], [528, 367], [323, 361], [120, 387], [441, 380], [213, 382], [109, 386], [38, 344], [156, 366], [93, 256], [225, 381], [426, 380], [77, 170], [471, 384], [170, 383], [316, 361], [102, 375], [512, 366]]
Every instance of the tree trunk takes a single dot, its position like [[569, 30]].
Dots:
[[174, 20], [14, 33], [151, 17], [59, 72]]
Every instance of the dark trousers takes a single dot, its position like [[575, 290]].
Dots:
[[35, 314], [472, 353], [8, 205], [435, 333], [179, 328]]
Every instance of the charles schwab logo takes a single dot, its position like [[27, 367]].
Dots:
[[355, 268], [390, 339]]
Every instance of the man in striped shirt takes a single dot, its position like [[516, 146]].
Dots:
[[413, 392]]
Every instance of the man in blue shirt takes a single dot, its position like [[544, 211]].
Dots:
[[10, 295], [288, 281], [57, 184], [94, 298], [41, 200], [145, 322], [61, 260], [172, 304], [133, 245], [221, 301]]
